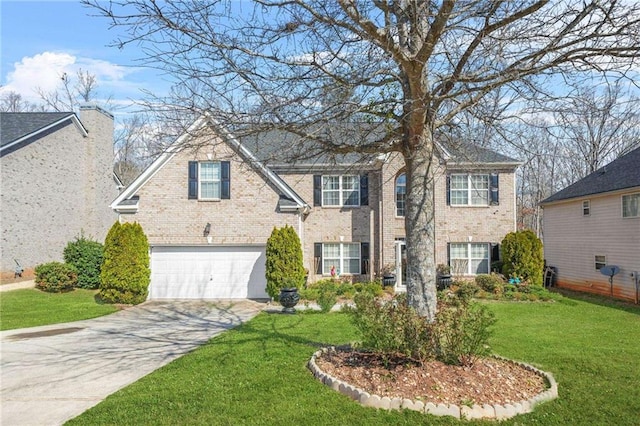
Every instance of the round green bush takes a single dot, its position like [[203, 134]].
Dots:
[[56, 277], [125, 273], [86, 256]]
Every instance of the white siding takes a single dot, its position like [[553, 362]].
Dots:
[[571, 242]]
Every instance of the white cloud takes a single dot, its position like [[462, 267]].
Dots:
[[44, 70]]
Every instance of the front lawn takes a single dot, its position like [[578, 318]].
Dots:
[[256, 374], [31, 307]]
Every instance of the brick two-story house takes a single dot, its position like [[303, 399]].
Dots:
[[210, 202], [57, 183]]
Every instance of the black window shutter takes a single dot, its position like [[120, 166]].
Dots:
[[449, 254], [364, 190], [493, 185], [317, 254], [495, 252], [225, 180], [364, 258], [448, 190], [317, 190], [193, 180]]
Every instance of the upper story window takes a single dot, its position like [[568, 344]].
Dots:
[[401, 192], [469, 190], [340, 190], [586, 208], [600, 261], [631, 205], [472, 189], [209, 180]]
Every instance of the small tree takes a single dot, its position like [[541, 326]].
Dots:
[[125, 274], [522, 256], [86, 256], [284, 267]]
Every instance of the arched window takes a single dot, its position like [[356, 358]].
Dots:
[[401, 192]]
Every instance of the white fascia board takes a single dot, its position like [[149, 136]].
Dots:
[[71, 117], [158, 163]]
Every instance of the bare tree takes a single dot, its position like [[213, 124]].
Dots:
[[595, 127], [11, 101], [70, 93], [411, 66]]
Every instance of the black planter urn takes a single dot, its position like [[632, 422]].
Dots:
[[289, 297], [388, 280]]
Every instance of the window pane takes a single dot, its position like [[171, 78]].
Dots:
[[352, 266], [209, 190], [480, 266], [350, 182], [209, 171], [459, 182], [631, 205], [351, 250], [401, 190], [479, 197], [458, 251], [351, 198], [331, 198], [480, 181], [330, 182], [331, 250], [479, 251]]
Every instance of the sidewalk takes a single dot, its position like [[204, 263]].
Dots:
[[17, 286]]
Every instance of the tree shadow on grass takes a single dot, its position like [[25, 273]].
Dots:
[[599, 300]]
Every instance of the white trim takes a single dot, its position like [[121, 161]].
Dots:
[[71, 116]]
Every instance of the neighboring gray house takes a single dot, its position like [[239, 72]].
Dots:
[[57, 183], [208, 212], [596, 222]]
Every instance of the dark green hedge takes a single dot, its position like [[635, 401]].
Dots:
[[86, 256], [284, 267], [125, 273]]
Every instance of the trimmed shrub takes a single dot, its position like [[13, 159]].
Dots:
[[327, 299], [125, 273], [491, 283], [56, 277], [391, 328], [462, 331], [86, 256], [284, 267], [522, 256], [465, 289]]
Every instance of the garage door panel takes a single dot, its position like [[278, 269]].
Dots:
[[207, 273]]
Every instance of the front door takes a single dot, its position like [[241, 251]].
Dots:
[[401, 265]]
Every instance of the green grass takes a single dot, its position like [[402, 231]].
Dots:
[[256, 374], [31, 307]]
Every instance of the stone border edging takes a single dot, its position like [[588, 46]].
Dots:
[[485, 411]]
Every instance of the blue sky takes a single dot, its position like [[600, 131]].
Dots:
[[40, 40]]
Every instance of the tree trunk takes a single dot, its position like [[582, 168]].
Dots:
[[420, 227]]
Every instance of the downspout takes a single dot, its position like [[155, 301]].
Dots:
[[381, 221]]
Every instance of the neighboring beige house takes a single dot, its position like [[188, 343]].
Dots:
[[593, 223], [208, 212], [57, 182]]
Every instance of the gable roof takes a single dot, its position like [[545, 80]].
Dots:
[[620, 174], [279, 148], [288, 198], [19, 127]]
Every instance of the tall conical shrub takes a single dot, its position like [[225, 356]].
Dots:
[[284, 267], [125, 273], [522, 256]]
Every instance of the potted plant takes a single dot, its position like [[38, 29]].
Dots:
[[289, 295], [443, 276], [388, 275]]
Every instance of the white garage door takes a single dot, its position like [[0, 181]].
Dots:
[[222, 272]]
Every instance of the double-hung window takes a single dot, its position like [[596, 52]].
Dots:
[[401, 193], [344, 258], [469, 190], [209, 180], [341, 190], [631, 205], [469, 258]]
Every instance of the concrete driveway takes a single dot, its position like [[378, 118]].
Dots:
[[53, 373]]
